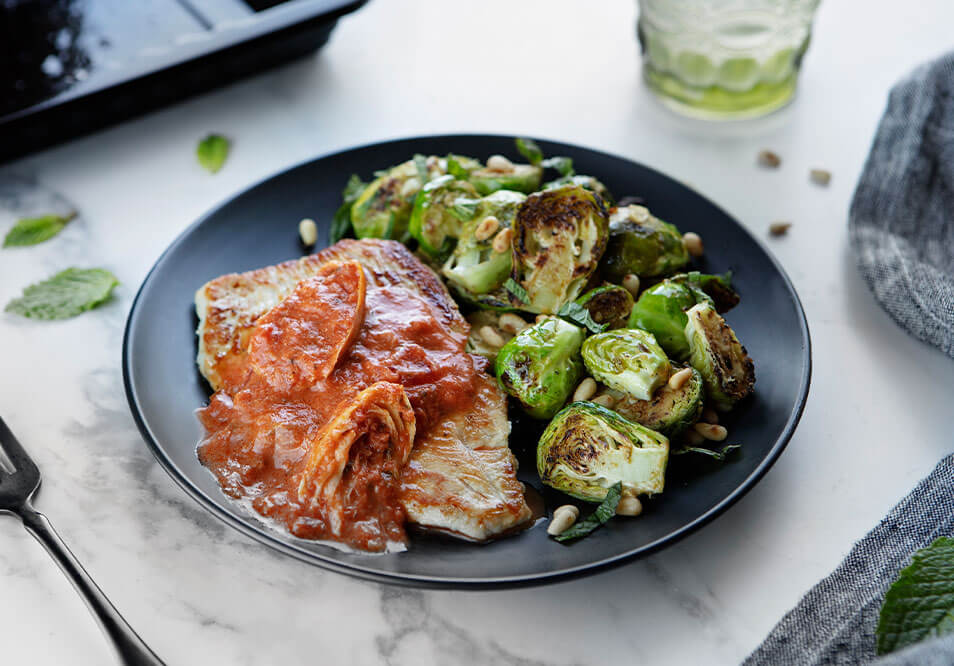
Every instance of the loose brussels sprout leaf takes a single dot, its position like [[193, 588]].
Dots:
[[562, 165], [577, 314], [559, 237], [628, 360], [341, 222], [474, 268], [475, 342], [530, 150], [588, 448], [719, 455], [642, 244], [541, 366], [440, 209], [715, 351], [661, 310], [383, 208], [717, 287], [523, 178], [670, 411], [602, 514], [608, 305], [588, 182]]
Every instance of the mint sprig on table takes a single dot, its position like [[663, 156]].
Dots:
[[66, 294], [212, 151], [605, 511], [920, 604], [34, 230]]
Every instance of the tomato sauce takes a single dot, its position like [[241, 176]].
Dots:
[[340, 379]]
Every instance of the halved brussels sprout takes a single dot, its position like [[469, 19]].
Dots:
[[524, 178], [609, 304], [628, 360], [440, 210], [382, 210], [474, 268], [670, 411], [725, 366], [588, 182], [588, 448], [541, 365], [642, 244], [559, 237], [717, 287], [661, 310]]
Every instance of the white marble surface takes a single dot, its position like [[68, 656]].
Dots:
[[877, 420]]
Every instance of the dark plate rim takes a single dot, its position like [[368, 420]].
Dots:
[[460, 583]]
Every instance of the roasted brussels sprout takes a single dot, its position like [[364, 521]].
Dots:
[[440, 210], [588, 448], [717, 287], [524, 178], [661, 310], [609, 304], [559, 237], [670, 411], [642, 244], [382, 210], [628, 360], [541, 365], [588, 182], [727, 371], [474, 269]]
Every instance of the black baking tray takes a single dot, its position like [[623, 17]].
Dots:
[[69, 67]]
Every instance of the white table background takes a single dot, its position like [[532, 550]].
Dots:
[[877, 420]]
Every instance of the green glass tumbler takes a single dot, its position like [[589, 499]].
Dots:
[[724, 59]]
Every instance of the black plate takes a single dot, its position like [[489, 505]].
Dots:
[[259, 227]]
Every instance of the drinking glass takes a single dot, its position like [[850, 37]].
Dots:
[[724, 59]]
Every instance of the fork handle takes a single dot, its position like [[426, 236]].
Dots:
[[131, 649]]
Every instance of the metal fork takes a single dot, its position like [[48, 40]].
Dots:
[[17, 488]]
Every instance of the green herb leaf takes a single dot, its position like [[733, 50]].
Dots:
[[517, 291], [341, 222], [605, 511], [353, 188], [455, 169], [65, 295], [579, 315], [920, 604], [715, 455], [563, 165], [530, 150], [420, 162], [464, 209], [33, 230], [212, 151]]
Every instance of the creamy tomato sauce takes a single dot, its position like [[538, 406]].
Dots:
[[340, 379]]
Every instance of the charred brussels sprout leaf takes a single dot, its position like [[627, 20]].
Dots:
[[669, 411], [341, 222], [727, 371], [474, 270], [587, 449], [559, 237], [661, 310], [541, 366], [628, 360], [717, 287], [440, 210], [602, 514], [608, 305], [642, 244], [588, 182], [522, 178], [383, 208]]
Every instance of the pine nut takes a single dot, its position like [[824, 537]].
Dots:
[[710, 415], [631, 284], [586, 390], [540, 318], [563, 518], [693, 244], [629, 505], [487, 228], [308, 231], [712, 432], [779, 228], [605, 400], [410, 186], [502, 240], [820, 177], [769, 159], [639, 213], [693, 438], [677, 380], [491, 336], [499, 163], [511, 323]]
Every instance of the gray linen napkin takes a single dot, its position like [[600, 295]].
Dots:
[[902, 229]]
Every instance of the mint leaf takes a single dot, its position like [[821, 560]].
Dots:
[[420, 163], [341, 222], [455, 169], [920, 604], [212, 151], [563, 165], [66, 294], [464, 209], [353, 188], [33, 230], [715, 455], [579, 315], [517, 291], [605, 511], [530, 150]]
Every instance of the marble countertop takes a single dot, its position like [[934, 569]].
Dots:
[[199, 592]]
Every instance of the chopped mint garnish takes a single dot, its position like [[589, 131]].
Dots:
[[530, 150], [65, 295], [212, 151], [715, 455], [579, 315], [33, 230], [605, 511], [341, 222], [517, 291]]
